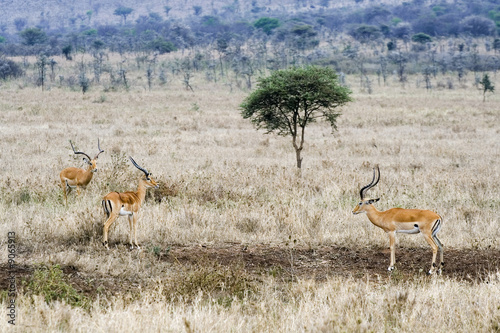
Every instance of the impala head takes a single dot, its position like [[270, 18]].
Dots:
[[365, 201], [148, 179], [91, 162]]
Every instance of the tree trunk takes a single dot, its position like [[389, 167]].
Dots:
[[298, 149], [299, 159]]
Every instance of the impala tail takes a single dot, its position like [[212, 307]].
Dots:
[[106, 205]]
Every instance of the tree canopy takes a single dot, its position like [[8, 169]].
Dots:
[[267, 24], [421, 38], [123, 12], [32, 36]]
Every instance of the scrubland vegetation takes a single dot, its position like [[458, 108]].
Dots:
[[229, 191]]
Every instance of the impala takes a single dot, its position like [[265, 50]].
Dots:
[[79, 178], [126, 204], [409, 221]]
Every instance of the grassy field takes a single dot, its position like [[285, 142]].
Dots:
[[234, 239]]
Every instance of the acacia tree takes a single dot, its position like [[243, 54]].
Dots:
[[123, 12], [288, 100], [421, 38], [32, 36]]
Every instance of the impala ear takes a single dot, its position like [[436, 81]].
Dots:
[[86, 160], [373, 200]]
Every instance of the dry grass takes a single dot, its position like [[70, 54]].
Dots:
[[222, 182]]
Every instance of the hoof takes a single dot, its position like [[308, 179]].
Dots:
[[390, 269]]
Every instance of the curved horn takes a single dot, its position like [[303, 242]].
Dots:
[[376, 178], [100, 150], [138, 167], [79, 152]]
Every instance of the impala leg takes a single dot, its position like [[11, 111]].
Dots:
[[435, 230], [392, 245], [112, 218], [440, 246], [131, 229], [64, 186], [135, 231], [434, 247]]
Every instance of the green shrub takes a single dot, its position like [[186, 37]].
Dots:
[[9, 69], [50, 283]]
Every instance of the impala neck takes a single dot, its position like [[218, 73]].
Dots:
[[141, 190], [88, 174], [373, 214]]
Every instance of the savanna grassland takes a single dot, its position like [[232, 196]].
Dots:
[[235, 239]]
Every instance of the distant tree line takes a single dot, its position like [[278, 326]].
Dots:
[[161, 33], [388, 41]]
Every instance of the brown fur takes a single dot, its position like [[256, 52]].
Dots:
[[131, 202]]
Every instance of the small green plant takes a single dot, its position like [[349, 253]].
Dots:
[[195, 107], [4, 296], [22, 196], [275, 271], [102, 98], [396, 276], [25, 195], [486, 85], [156, 250], [50, 283]]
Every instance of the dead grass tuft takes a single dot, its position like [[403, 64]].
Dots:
[[221, 284]]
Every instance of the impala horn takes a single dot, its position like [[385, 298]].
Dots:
[[138, 167], [376, 178], [80, 152], [100, 150]]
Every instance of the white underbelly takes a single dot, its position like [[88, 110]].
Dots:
[[124, 212], [70, 185], [415, 230]]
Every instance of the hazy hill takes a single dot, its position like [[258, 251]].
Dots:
[[54, 14]]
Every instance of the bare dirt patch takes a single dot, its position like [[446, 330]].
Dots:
[[287, 263], [321, 262]]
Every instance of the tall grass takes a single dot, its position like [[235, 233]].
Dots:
[[336, 305]]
